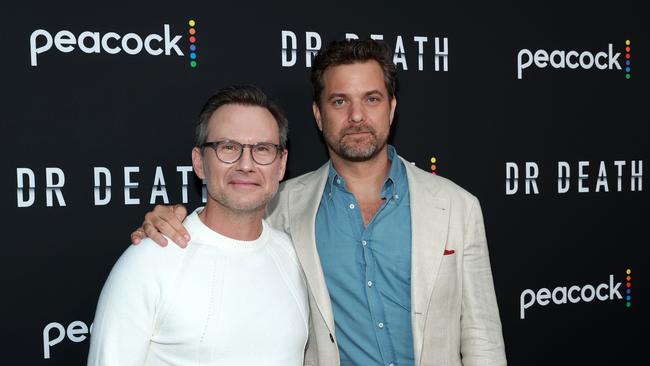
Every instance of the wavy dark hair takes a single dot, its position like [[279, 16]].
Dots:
[[352, 51]]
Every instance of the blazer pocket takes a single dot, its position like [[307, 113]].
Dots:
[[448, 264]]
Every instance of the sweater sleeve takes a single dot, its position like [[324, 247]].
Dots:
[[126, 311]]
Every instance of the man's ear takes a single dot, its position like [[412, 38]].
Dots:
[[197, 162], [316, 110], [283, 164], [393, 106]]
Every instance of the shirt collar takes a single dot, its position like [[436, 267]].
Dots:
[[393, 184]]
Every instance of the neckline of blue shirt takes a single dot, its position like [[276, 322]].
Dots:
[[392, 185]]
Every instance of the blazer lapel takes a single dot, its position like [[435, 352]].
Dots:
[[429, 227], [304, 200]]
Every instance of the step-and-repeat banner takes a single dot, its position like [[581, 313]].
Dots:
[[540, 109]]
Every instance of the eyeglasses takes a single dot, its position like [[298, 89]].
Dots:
[[229, 152]]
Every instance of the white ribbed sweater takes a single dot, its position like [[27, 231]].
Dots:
[[218, 302]]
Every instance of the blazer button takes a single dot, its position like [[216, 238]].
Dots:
[[331, 338]]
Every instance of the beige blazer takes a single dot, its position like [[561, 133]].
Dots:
[[454, 312]]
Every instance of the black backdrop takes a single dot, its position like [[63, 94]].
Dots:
[[133, 115]]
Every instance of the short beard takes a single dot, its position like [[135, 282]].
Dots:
[[351, 151]]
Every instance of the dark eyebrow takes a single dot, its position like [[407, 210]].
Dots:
[[336, 95], [343, 95], [374, 92]]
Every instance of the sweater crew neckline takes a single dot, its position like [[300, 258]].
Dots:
[[202, 234]]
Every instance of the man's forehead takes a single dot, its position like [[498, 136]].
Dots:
[[243, 122], [365, 76]]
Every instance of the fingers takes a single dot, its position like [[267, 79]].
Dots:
[[163, 221], [153, 233], [137, 236], [181, 213], [166, 220]]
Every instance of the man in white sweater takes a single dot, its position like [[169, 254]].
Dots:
[[237, 295]]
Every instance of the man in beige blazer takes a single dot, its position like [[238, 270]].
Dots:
[[453, 305], [454, 318]]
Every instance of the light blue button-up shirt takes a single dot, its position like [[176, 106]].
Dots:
[[368, 270]]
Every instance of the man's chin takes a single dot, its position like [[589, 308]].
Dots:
[[242, 205], [247, 207], [358, 153]]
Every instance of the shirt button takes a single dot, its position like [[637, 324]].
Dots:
[[369, 283], [351, 206], [396, 197], [338, 181], [380, 325], [364, 243], [391, 364]]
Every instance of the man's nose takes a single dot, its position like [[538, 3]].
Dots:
[[246, 161], [357, 112]]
